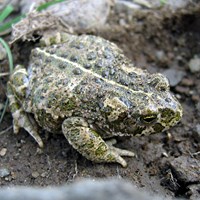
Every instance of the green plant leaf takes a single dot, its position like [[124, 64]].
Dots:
[[10, 59], [6, 12]]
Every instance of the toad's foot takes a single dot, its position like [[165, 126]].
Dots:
[[87, 142]]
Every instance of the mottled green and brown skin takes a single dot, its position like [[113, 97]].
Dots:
[[84, 87]]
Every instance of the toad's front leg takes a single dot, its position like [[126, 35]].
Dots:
[[16, 90], [87, 142]]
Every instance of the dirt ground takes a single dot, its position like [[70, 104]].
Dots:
[[166, 163]]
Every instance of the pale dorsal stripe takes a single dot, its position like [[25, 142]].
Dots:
[[87, 71]]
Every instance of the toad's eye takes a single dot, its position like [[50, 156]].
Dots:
[[148, 119]]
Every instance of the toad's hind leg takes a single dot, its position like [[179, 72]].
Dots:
[[90, 144], [16, 89]]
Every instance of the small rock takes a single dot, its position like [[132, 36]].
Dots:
[[123, 6], [35, 174], [8, 178], [4, 172], [185, 169], [194, 192], [160, 55], [187, 82], [82, 15], [44, 174], [182, 90], [196, 98], [198, 129], [3, 152], [177, 3], [194, 64], [198, 108], [174, 76]]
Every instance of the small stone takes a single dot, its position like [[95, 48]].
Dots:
[[182, 90], [196, 98], [16, 156], [124, 6], [3, 152], [4, 172], [44, 174], [160, 55], [174, 76], [185, 169], [187, 82], [35, 174], [194, 64], [193, 192], [8, 178], [198, 107], [198, 129]]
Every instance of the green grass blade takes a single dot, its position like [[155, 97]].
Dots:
[[6, 12], [8, 25], [46, 5], [163, 2], [9, 54], [10, 60]]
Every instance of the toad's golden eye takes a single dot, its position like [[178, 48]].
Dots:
[[148, 119]]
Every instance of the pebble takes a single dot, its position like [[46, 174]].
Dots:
[[185, 169], [4, 172], [123, 6], [44, 174], [160, 55], [198, 129], [174, 76], [187, 82], [3, 152], [196, 98], [193, 192], [182, 90], [35, 174], [194, 64]]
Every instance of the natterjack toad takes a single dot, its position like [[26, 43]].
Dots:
[[84, 87]]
